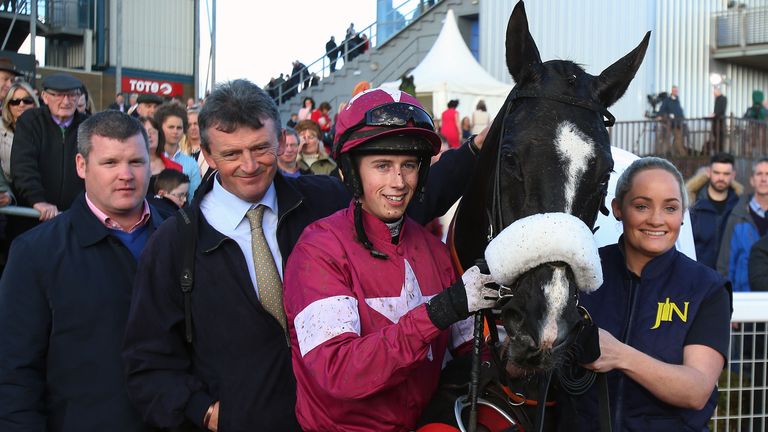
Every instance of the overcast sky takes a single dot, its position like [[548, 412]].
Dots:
[[260, 39]]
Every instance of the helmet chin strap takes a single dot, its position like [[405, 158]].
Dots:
[[360, 231]]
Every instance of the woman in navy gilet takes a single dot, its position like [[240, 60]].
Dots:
[[664, 319]]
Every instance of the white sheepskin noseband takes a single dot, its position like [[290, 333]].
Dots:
[[543, 238]]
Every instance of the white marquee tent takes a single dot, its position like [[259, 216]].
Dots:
[[449, 71]]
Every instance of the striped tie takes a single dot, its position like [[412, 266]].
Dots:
[[267, 278]]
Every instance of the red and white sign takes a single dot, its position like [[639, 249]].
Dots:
[[143, 85]]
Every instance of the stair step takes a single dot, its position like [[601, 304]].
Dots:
[[399, 54]]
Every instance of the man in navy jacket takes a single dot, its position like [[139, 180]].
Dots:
[[66, 289], [712, 206], [236, 373]]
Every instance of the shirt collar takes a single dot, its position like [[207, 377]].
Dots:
[[111, 224], [657, 266], [171, 156], [756, 207], [237, 208], [63, 124]]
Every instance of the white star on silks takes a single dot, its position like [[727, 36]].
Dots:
[[410, 297]]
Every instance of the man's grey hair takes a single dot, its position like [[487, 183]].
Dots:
[[644, 164], [291, 131], [235, 104], [758, 162], [108, 124]]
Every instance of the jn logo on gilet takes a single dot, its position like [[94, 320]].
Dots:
[[668, 310]]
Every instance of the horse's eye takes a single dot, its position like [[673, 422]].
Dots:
[[606, 178], [510, 165]]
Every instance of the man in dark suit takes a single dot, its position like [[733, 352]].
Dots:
[[118, 104], [223, 350], [66, 290], [332, 51], [44, 149]]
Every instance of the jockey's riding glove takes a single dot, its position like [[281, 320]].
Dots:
[[467, 295]]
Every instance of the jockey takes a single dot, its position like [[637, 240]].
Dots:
[[372, 299]]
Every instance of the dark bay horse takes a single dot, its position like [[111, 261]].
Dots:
[[547, 152], [541, 178]]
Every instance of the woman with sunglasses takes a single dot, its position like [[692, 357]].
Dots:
[[20, 98]]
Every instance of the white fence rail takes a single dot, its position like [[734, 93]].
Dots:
[[743, 390]]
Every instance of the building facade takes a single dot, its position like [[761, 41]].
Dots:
[[689, 42], [154, 41]]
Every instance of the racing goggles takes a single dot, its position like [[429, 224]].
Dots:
[[392, 114]]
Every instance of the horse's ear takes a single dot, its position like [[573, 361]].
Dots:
[[614, 80], [521, 49]]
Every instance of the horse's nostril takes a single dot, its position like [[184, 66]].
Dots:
[[513, 316]]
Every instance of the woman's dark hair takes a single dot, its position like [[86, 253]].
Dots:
[[160, 136], [453, 103], [481, 105], [304, 102], [169, 109]]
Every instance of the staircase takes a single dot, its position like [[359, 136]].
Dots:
[[385, 62]]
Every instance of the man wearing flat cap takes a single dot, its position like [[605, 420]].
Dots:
[[147, 105], [8, 73], [44, 149]]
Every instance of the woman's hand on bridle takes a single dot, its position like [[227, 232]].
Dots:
[[480, 138], [611, 354]]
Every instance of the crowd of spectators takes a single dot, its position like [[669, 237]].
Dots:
[[181, 357], [286, 86]]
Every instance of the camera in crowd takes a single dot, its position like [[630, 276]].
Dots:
[[655, 100]]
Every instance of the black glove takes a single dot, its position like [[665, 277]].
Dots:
[[467, 295]]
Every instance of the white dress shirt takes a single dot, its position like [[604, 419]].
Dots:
[[226, 213]]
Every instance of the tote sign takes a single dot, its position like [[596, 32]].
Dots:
[[142, 85]]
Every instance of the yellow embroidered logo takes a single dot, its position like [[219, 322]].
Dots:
[[665, 313]]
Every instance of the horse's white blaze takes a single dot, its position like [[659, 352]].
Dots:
[[556, 293], [576, 150]]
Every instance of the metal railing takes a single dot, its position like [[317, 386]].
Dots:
[[369, 38], [70, 14], [744, 138], [13, 210], [742, 386], [740, 27]]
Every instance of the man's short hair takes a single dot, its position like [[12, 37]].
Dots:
[[170, 109], [169, 179], [234, 104], [292, 131], [722, 157], [758, 162], [108, 124]]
